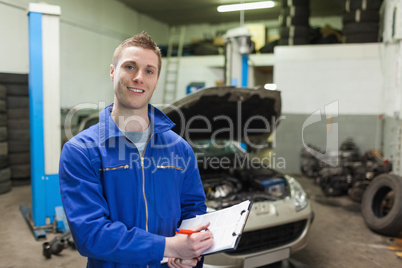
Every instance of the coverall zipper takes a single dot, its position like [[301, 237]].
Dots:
[[143, 179]]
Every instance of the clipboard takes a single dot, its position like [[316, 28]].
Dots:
[[227, 226]]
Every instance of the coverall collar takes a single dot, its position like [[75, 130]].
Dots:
[[108, 128]]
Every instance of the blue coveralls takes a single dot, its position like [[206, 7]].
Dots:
[[120, 206]]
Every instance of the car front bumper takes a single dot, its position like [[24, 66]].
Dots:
[[273, 232]]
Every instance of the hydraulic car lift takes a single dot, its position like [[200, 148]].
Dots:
[[44, 108]]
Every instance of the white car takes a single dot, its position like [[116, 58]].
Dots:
[[220, 123]]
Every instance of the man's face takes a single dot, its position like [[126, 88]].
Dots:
[[135, 78]]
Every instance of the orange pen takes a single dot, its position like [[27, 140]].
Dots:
[[185, 231]]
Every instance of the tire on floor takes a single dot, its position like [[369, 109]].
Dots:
[[382, 205]]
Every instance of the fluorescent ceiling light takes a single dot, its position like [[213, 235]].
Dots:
[[246, 6], [270, 86]]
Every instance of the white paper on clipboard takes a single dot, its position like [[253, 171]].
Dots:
[[226, 225]]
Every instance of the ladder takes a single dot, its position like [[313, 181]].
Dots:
[[172, 64]]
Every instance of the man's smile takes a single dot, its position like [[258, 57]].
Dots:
[[136, 90]]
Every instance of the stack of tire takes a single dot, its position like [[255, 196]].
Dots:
[[361, 21], [294, 26], [5, 171], [18, 133]]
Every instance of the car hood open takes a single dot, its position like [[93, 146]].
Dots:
[[243, 114]]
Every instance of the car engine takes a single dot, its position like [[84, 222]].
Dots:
[[223, 191]]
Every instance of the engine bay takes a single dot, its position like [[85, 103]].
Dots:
[[223, 190]]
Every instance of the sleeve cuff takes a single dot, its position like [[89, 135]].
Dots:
[[158, 248]]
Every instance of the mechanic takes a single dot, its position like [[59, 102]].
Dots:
[[128, 182]]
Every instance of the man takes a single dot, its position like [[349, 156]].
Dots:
[[128, 182]]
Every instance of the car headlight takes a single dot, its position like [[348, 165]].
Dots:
[[298, 195]]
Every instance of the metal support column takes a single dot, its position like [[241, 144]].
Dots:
[[44, 108], [237, 47]]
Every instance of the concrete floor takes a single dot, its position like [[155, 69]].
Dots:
[[338, 237]]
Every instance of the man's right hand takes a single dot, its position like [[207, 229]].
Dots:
[[179, 263], [187, 247]]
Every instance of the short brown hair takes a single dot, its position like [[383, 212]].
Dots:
[[142, 40]]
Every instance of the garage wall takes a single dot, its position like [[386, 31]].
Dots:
[[347, 78], [89, 32]]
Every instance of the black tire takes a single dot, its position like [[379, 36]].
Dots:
[[3, 92], [3, 119], [294, 32], [18, 124], [361, 16], [287, 21], [4, 161], [351, 5], [5, 187], [295, 11], [360, 28], [13, 78], [17, 102], [17, 90], [4, 148], [21, 146], [361, 38], [21, 181], [19, 158], [20, 171], [21, 113], [297, 3], [5, 174], [3, 134], [382, 217], [292, 41], [3, 106], [18, 134]]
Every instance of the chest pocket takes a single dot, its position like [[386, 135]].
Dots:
[[114, 168], [168, 167], [117, 178]]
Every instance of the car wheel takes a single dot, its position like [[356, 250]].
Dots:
[[382, 205]]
